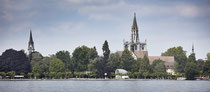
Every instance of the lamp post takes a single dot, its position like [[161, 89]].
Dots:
[[105, 74]]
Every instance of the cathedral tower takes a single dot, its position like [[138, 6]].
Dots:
[[134, 31], [135, 44], [31, 44]]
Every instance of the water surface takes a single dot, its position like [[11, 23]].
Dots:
[[105, 86]]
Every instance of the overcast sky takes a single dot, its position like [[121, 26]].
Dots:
[[66, 24]]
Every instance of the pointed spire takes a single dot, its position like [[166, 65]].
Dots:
[[193, 48], [31, 43], [134, 22], [31, 38]]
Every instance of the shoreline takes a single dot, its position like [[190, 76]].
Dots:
[[92, 79]]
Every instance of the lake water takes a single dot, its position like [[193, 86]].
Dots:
[[105, 86]]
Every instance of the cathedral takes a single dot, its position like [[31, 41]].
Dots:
[[139, 49], [135, 44]]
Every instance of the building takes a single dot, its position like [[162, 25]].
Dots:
[[139, 49], [135, 46], [31, 44]]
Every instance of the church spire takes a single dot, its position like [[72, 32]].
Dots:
[[192, 48], [31, 44], [134, 26], [134, 31]]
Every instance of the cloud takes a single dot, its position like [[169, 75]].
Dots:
[[116, 9], [11, 10], [67, 26]]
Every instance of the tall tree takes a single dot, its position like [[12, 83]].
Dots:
[[191, 70], [106, 50], [82, 56], [106, 53], [97, 66], [191, 58], [36, 64], [127, 60], [65, 57], [206, 67], [113, 62], [12, 60], [179, 56], [144, 65], [56, 65]]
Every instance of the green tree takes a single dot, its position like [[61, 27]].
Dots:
[[191, 70], [206, 66], [200, 64], [191, 58], [127, 60], [11, 74], [65, 57], [106, 53], [45, 64], [144, 65], [36, 70], [113, 62], [12, 60], [208, 56], [3, 74], [56, 65], [36, 64], [179, 56], [96, 66], [82, 56], [136, 65], [106, 50], [158, 66]]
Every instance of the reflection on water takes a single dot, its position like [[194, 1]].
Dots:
[[105, 86]]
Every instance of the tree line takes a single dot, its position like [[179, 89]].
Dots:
[[86, 63]]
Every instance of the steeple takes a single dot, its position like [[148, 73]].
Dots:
[[134, 26], [134, 31], [31, 44], [192, 48]]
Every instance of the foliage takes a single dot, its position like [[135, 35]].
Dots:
[[208, 56], [82, 56], [97, 66], [106, 50], [2, 74], [191, 70], [200, 64], [136, 65], [65, 57], [191, 58], [11, 74], [158, 66], [206, 68], [179, 56], [56, 65], [127, 60], [144, 65], [36, 64], [106, 53], [113, 62], [12, 60]]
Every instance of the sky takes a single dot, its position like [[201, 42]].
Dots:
[[66, 24]]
